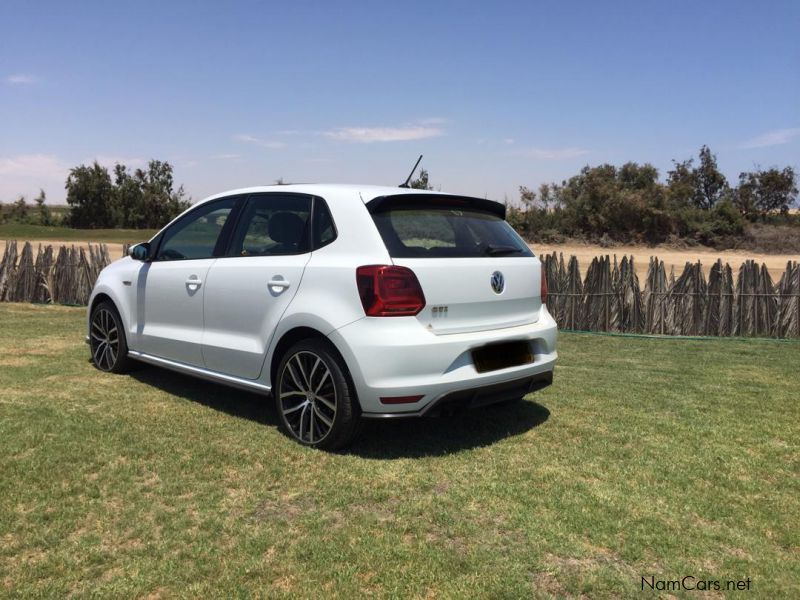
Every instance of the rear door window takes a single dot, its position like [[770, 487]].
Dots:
[[273, 225]]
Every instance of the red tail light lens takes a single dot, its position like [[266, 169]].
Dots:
[[388, 291], [543, 291]]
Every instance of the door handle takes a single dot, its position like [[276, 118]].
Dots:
[[195, 281], [278, 283]]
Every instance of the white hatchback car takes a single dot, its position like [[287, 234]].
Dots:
[[343, 302]]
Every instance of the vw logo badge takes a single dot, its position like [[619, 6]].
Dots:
[[498, 282]]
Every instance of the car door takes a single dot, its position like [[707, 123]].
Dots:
[[248, 290], [172, 285]]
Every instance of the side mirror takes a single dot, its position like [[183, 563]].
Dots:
[[140, 251]]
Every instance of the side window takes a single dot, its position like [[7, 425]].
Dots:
[[195, 236], [324, 229], [273, 224]]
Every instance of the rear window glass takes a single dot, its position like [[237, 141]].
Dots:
[[445, 232]]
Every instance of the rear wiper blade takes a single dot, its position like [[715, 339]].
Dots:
[[499, 250]]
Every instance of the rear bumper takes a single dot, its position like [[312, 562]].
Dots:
[[475, 397], [398, 357]]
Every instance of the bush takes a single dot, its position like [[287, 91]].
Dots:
[[711, 227], [630, 204]]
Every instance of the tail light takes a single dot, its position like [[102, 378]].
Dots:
[[388, 291], [543, 291], [400, 399]]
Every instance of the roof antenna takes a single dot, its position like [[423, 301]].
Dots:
[[410, 175]]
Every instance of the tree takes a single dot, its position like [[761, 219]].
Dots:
[[421, 182], [545, 199], [160, 201], [681, 184], [763, 192], [128, 200], [541, 213], [702, 186], [19, 211], [528, 197], [526, 219], [710, 184], [144, 199], [586, 199], [548, 196], [45, 217], [90, 196]]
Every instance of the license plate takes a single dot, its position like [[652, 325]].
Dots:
[[501, 356]]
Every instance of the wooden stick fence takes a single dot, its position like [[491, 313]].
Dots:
[[63, 276], [609, 297]]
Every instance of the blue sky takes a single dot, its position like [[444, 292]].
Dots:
[[495, 94]]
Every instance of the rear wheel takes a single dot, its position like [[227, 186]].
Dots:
[[314, 397], [107, 340]]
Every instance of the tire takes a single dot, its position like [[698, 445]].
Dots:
[[314, 397], [107, 341]]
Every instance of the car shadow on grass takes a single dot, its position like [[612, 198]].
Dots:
[[231, 401], [436, 436], [378, 439]]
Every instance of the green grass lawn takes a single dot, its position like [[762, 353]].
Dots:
[[25, 233], [647, 457]]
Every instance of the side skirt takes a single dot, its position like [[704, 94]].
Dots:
[[229, 380]]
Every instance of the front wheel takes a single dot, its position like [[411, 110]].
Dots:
[[314, 397], [107, 340]]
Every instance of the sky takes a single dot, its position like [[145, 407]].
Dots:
[[495, 95]]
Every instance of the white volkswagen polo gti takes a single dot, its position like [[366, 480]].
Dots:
[[344, 302]]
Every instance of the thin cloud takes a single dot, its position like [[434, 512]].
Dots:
[[262, 143], [46, 166], [27, 173], [552, 153], [369, 135], [776, 137], [433, 121], [226, 156], [21, 79]]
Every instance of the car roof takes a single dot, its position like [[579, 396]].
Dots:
[[366, 192]]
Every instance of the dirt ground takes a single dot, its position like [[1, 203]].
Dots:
[[776, 263]]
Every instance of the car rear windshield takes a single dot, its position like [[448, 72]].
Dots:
[[442, 232]]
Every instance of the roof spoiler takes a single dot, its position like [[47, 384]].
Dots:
[[418, 201]]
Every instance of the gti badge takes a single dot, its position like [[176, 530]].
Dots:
[[498, 282]]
